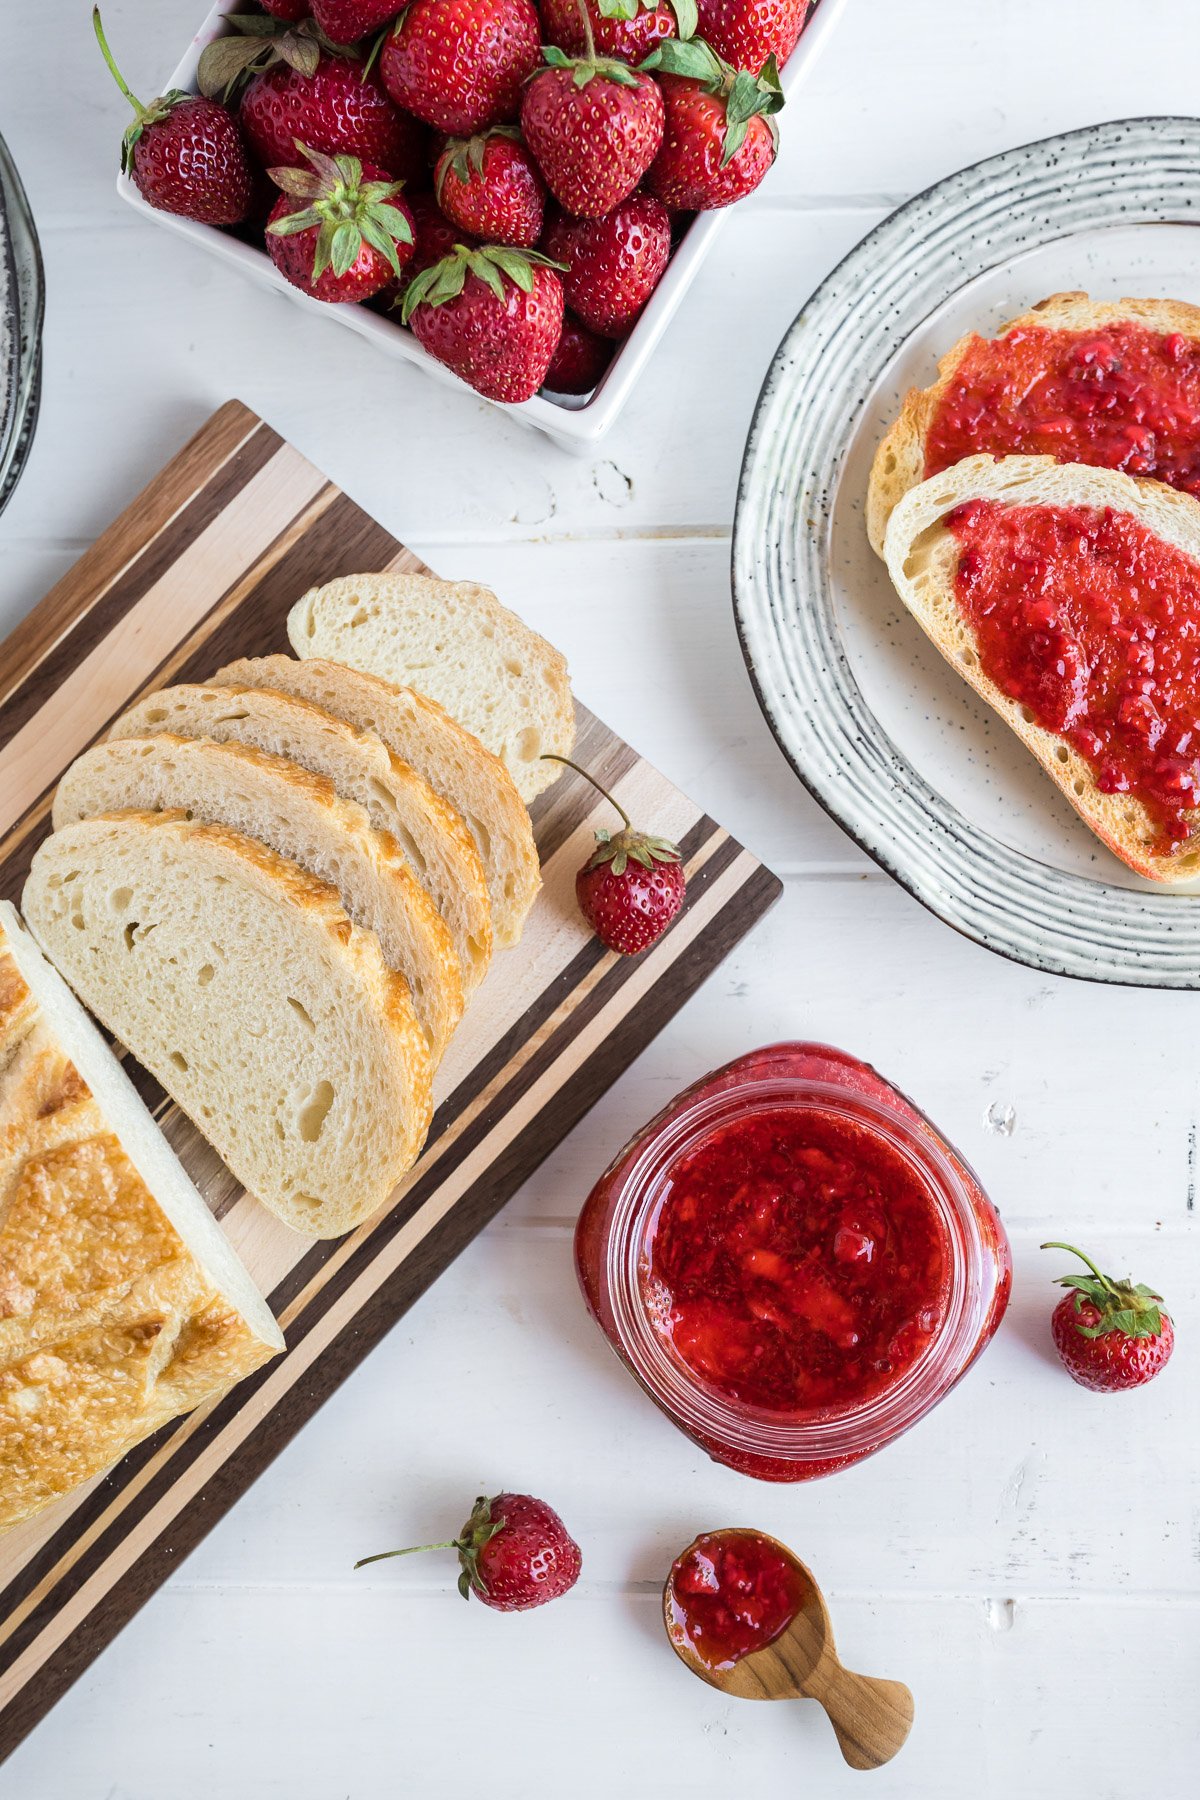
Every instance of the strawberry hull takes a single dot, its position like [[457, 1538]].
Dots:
[[576, 422]]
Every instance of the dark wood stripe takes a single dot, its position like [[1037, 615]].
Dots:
[[556, 1045], [70, 597], [629, 1036], [151, 565]]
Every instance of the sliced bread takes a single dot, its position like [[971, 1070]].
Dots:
[[454, 642], [299, 815], [902, 459], [239, 982], [476, 783], [923, 557], [122, 1303], [440, 849]]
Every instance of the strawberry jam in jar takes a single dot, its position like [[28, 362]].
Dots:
[[793, 1262]]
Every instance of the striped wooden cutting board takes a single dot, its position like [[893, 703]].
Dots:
[[201, 568]]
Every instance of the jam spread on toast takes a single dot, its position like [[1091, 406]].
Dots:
[[797, 1262], [1121, 398], [731, 1592], [1092, 623]]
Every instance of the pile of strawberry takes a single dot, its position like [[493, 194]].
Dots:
[[507, 179]]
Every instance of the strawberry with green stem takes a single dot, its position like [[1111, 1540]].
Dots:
[[185, 154], [1110, 1334], [632, 885], [514, 1553], [594, 125], [338, 230], [490, 186], [720, 136], [493, 314]]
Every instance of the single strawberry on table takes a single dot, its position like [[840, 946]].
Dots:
[[1110, 1334], [492, 314], [625, 28], [746, 32], [580, 360], [185, 154], [632, 885], [490, 186], [594, 125], [339, 230], [514, 1552], [613, 264], [460, 64], [720, 136]]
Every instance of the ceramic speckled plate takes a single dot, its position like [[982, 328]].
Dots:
[[900, 751]]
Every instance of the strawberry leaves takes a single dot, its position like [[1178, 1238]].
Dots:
[[687, 17], [346, 210], [1133, 1310], [493, 264], [586, 68], [256, 44], [746, 96], [630, 846]]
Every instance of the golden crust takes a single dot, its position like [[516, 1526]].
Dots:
[[899, 462], [922, 557], [108, 1325]]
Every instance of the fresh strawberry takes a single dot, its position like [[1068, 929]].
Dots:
[[613, 264], [746, 32], [345, 21], [721, 136], [632, 885], [460, 64], [329, 103], [594, 125], [185, 154], [291, 10], [580, 360], [339, 230], [493, 315], [625, 28], [514, 1552], [1110, 1334], [490, 186]]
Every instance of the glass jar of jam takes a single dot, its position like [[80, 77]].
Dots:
[[793, 1262]]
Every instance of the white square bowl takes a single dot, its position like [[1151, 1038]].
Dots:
[[578, 424]]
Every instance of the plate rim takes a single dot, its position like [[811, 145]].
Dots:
[[1121, 966]]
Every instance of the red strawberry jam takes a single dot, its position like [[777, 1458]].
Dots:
[[731, 1592], [797, 1262], [1093, 623], [1121, 398], [793, 1262]]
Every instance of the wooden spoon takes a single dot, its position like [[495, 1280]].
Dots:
[[871, 1718]]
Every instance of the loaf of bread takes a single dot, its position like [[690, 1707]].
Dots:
[[923, 557], [455, 764], [240, 983], [398, 801], [301, 816], [901, 460], [122, 1304], [454, 642]]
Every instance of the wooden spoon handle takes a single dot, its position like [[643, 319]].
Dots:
[[871, 1718]]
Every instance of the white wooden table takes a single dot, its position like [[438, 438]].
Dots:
[[1028, 1558]]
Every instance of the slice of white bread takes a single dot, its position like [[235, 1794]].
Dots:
[[396, 799], [900, 460], [122, 1303], [453, 641], [475, 782], [299, 815], [242, 986], [922, 558]]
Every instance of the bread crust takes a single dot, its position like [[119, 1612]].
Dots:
[[109, 1326], [899, 462], [921, 555]]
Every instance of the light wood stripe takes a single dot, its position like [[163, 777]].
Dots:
[[123, 660], [286, 1373]]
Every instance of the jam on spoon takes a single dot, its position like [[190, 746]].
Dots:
[[731, 1592]]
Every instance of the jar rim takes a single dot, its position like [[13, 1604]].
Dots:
[[831, 1433]]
